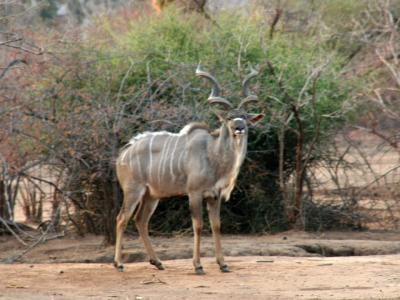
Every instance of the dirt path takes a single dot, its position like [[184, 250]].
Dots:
[[255, 277]]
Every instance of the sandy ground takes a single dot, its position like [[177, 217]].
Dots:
[[291, 265], [255, 277]]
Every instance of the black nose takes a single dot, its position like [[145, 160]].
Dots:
[[241, 128]]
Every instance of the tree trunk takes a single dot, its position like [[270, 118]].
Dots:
[[3, 201]]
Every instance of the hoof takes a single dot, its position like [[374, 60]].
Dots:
[[199, 271], [157, 264], [224, 269], [119, 267]]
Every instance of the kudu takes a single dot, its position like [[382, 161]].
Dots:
[[193, 162]]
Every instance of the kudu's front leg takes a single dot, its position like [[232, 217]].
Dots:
[[214, 207], [195, 203]]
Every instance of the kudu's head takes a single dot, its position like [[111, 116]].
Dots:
[[236, 119]]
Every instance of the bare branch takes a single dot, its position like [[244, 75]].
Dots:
[[10, 65]]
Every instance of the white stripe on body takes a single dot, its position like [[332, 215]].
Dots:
[[150, 156], [131, 154], [161, 159], [123, 155], [172, 159], [139, 165], [180, 169], [164, 161]]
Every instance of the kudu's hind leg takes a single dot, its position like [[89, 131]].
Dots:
[[132, 196], [213, 207], [195, 203], [142, 218]]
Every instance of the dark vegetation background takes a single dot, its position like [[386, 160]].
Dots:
[[76, 85]]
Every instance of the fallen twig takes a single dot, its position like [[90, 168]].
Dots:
[[153, 280], [16, 286]]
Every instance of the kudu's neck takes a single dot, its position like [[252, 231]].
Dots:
[[227, 150]]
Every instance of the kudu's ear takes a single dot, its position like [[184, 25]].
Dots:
[[255, 118]]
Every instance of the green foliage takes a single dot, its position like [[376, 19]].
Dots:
[[48, 10], [141, 77]]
